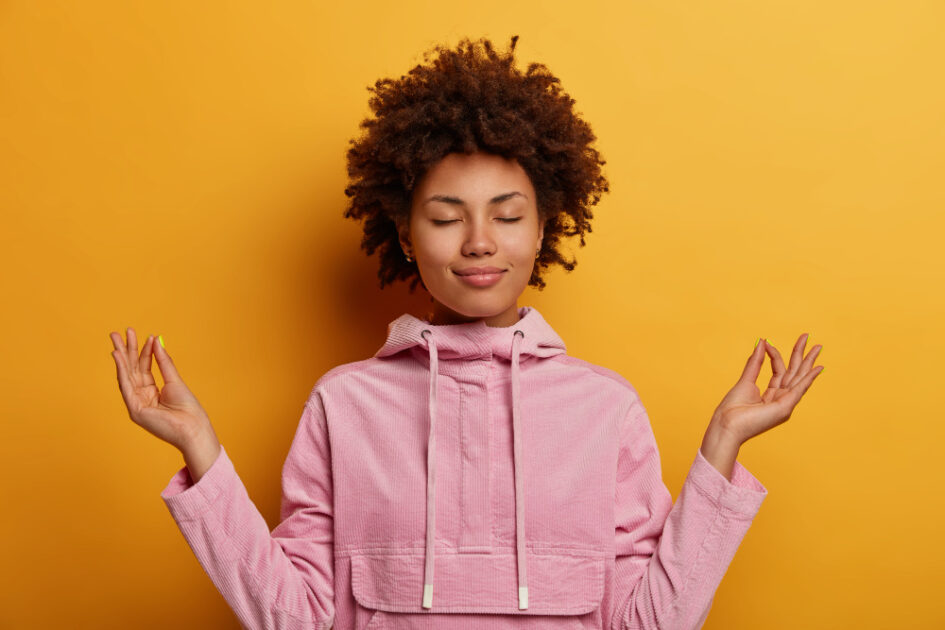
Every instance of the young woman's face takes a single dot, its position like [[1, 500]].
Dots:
[[467, 212]]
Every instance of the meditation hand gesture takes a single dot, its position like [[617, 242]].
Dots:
[[173, 413], [745, 412]]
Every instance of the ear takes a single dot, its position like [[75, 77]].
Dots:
[[541, 233], [403, 235]]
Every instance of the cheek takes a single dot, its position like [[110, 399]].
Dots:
[[521, 247], [434, 249], [439, 251]]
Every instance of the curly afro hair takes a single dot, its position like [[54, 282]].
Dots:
[[463, 100]]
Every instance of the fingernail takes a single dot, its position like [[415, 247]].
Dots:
[[161, 339], [756, 343]]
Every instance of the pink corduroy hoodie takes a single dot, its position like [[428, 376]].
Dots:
[[469, 476]]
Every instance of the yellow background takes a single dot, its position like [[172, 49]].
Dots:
[[776, 168]]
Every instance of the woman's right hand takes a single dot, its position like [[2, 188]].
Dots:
[[173, 414]]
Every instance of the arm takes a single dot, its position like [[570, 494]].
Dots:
[[670, 558], [278, 580]]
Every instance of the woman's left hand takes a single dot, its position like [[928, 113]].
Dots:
[[745, 412]]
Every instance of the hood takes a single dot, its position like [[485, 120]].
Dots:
[[531, 335], [476, 339]]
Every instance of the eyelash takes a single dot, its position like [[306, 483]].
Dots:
[[504, 220]]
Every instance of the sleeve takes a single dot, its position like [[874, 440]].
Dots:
[[282, 579], [670, 558]]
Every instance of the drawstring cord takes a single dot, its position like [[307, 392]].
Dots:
[[431, 478], [517, 338], [519, 475]]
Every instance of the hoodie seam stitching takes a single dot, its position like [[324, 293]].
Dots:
[[462, 464], [493, 460], [533, 547]]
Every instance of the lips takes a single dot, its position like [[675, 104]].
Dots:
[[477, 271], [480, 276]]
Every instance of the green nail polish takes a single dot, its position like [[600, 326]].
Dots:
[[161, 339], [756, 343]]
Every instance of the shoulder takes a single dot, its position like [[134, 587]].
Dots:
[[600, 376], [336, 376]]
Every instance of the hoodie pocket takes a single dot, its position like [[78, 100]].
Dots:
[[564, 592]]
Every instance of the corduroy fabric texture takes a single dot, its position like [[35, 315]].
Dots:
[[589, 530]]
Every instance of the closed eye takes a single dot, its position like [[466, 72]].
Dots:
[[503, 219]]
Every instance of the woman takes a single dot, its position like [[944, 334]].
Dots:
[[470, 474]]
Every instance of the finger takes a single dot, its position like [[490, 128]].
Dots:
[[797, 357], [166, 365], [117, 341], [777, 372], [798, 391], [144, 361], [122, 347], [753, 365], [808, 363], [119, 352], [132, 346], [124, 380]]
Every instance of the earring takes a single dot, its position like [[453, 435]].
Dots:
[[407, 256]]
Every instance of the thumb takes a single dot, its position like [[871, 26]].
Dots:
[[754, 363], [165, 363]]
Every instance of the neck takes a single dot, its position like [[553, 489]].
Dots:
[[441, 316]]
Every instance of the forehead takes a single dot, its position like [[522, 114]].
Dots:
[[477, 173]]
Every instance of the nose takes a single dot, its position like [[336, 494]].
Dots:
[[479, 240]]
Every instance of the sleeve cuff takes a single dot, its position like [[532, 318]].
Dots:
[[742, 495], [188, 500]]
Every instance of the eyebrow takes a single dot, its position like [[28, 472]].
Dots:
[[456, 201]]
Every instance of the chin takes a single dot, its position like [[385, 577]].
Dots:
[[478, 309]]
